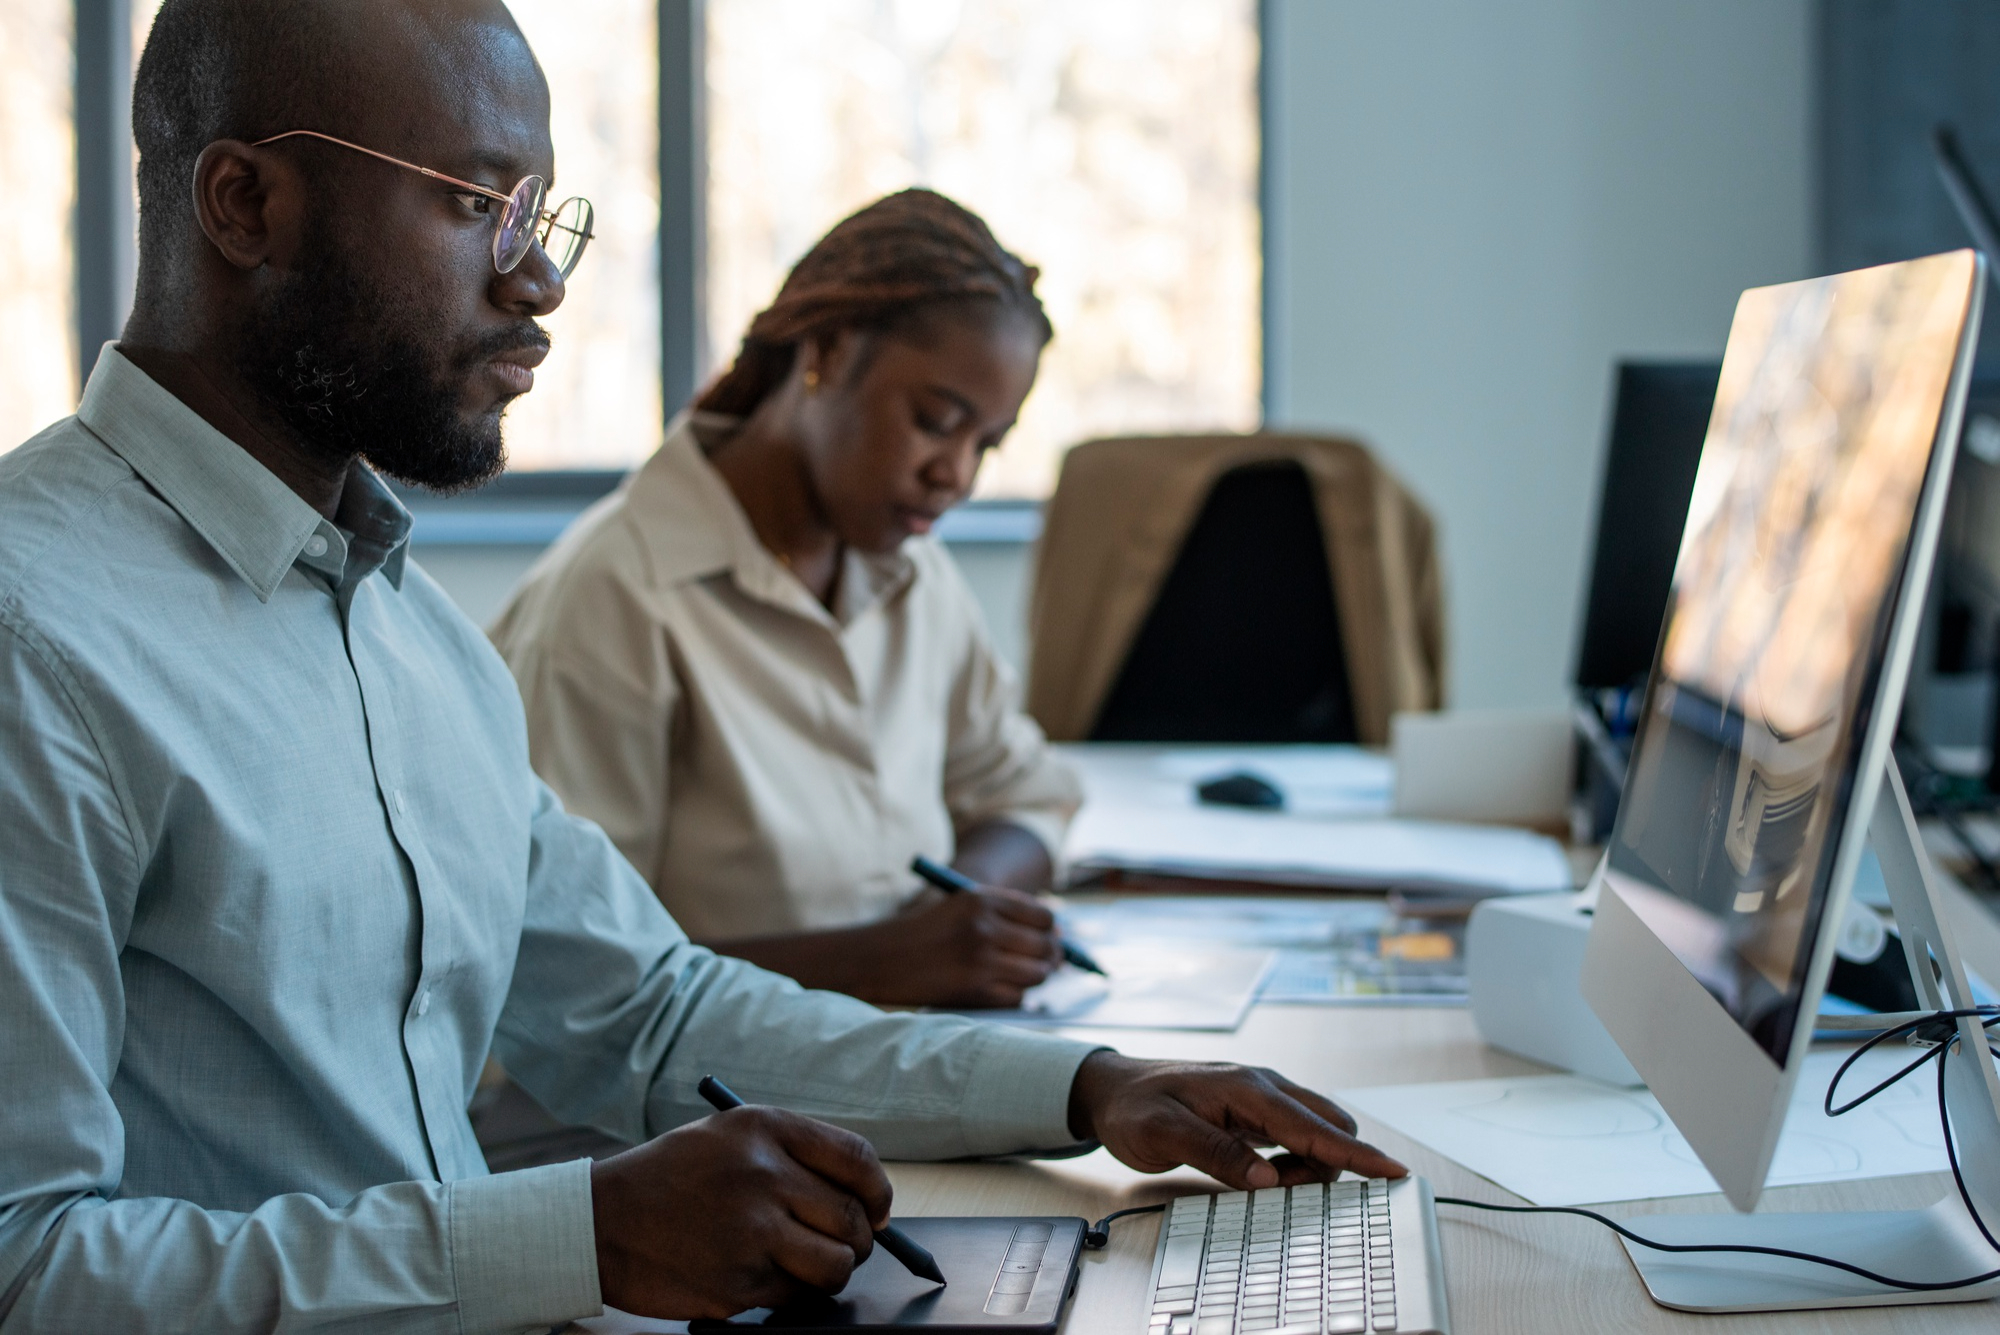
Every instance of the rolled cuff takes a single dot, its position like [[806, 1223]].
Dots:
[[524, 1249], [1018, 1096]]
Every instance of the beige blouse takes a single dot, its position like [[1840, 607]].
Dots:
[[766, 764]]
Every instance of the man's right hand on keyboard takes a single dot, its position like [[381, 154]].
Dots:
[[747, 1208]]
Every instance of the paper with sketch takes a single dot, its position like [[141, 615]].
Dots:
[[1150, 986], [1565, 1140]]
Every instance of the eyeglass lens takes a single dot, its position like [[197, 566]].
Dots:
[[565, 233], [517, 223]]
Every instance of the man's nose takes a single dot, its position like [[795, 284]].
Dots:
[[533, 288]]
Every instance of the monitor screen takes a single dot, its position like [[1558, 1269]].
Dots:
[[1783, 595], [1658, 421]]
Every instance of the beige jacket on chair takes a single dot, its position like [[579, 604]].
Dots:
[[1123, 507]]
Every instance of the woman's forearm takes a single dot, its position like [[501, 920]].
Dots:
[[843, 959], [1000, 852]]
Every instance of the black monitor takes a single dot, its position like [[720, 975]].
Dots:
[[1658, 422]]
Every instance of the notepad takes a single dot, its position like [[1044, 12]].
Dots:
[[1151, 985]]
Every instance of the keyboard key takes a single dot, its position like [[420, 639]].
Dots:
[[1347, 1323]]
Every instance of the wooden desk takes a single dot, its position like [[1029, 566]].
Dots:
[[1521, 1273]]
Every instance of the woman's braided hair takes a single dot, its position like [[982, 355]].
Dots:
[[882, 268]]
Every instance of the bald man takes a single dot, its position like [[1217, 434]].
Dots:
[[275, 876]]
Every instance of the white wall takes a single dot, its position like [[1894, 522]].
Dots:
[[1481, 206]]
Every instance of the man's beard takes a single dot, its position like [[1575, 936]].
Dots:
[[353, 372]]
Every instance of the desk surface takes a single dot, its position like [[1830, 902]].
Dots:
[[1503, 1273]]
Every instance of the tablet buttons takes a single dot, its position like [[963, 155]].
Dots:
[[1023, 1262]]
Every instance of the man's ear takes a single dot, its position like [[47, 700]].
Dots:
[[250, 203]]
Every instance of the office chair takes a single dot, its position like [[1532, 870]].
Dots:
[[1247, 588]]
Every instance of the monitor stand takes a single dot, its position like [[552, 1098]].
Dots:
[[1936, 1244]]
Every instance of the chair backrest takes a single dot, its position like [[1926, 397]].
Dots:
[[1111, 588], [1243, 641]]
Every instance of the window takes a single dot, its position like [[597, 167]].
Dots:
[[596, 402], [1113, 143], [37, 272]]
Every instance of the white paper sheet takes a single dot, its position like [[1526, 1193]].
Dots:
[[1565, 1140], [1151, 986], [1140, 813], [1273, 847]]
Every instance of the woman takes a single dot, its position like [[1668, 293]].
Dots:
[[752, 667]]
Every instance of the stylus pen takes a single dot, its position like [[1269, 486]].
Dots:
[[889, 1238], [951, 882]]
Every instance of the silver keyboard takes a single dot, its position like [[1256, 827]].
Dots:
[[1333, 1259]]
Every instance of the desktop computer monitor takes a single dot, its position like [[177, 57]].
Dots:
[[1767, 720], [1659, 418]]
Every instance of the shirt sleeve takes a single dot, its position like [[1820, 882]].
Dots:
[[600, 706], [508, 1253], [998, 765], [614, 1016]]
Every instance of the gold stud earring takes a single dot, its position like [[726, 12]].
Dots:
[[812, 381]]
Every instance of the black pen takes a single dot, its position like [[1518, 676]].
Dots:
[[889, 1238], [952, 882]]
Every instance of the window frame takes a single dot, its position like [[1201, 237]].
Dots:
[[530, 507]]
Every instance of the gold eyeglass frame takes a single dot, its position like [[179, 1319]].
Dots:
[[524, 201]]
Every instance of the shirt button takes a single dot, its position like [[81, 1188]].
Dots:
[[400, 804], [424, 1003], [316, 545]]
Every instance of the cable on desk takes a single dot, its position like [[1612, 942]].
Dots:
[[1939, 1031], [1098, 1235], [1630, 1236]]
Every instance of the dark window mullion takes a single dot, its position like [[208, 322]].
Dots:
[[683, 202], [105, 249]]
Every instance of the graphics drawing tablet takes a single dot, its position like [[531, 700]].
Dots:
[[1006, 1274]]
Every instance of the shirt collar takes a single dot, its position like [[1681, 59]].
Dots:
[[692, 525], [258, 526]]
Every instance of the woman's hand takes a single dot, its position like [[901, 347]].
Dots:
[[981, 947], [977, 948]]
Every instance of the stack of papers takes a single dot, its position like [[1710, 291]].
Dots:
[[1140, 814], [1352, 951]]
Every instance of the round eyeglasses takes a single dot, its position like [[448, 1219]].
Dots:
[[562, 232]]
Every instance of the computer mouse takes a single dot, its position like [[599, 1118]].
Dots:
[[1241, 789]]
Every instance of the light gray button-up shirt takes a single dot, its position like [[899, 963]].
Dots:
[[275, 878]]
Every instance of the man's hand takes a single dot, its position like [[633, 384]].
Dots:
[[1156, 1115], [748, 1208]]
